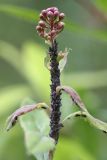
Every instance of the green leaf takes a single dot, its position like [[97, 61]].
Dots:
[[23, 13], [10, 54], [102, 4], [96, 122], [92, 120], [36, 129]]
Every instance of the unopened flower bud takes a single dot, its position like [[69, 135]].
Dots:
[[53, 33], [42, 24], [56, 14], [44, 12], [55, 9], [42, 17], [38, 28], [61, 16], [50, 14], [60, 25], [50, 24]]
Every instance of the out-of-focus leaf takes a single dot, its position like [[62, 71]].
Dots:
[[12, 119], [71, 150], [11, 96], [10, 54], [102, 4], [86, 80], [36, 129], [32, 16], [98, 34], [23, 13], [34, 70]]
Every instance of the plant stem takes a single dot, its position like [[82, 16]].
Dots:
[[55, 99]]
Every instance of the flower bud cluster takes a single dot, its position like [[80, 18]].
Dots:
[[50, 24]]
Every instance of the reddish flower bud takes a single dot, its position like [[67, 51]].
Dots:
[[42, 24], [56, 14], [55, 9], [44, 13], [61, 16], [60, 25], [53, 33], [42, 17], [50, 14], [38, 28]]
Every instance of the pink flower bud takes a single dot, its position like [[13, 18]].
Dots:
[[53, 33], [55, 9], [44, 13], [60, 25], [38, 28], [42, 24], [61, 16], [50, 14], [56, 14], [42, 17]]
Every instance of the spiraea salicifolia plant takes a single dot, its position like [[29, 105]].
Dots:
[[49, 27]]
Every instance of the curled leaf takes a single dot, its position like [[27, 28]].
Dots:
[[96, 122], [74, 96], [12, 119], [92, 120], [62, 59]]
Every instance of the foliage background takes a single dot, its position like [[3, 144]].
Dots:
[[23, 75]]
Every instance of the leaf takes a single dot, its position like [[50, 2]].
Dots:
[[36, 129], [23, 13], [96, 122], [87, 116], [10, 54], [62, 59], [12, 119], [74, 96], [102, 4]]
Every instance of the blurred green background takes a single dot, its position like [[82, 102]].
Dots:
[[23, 75]]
